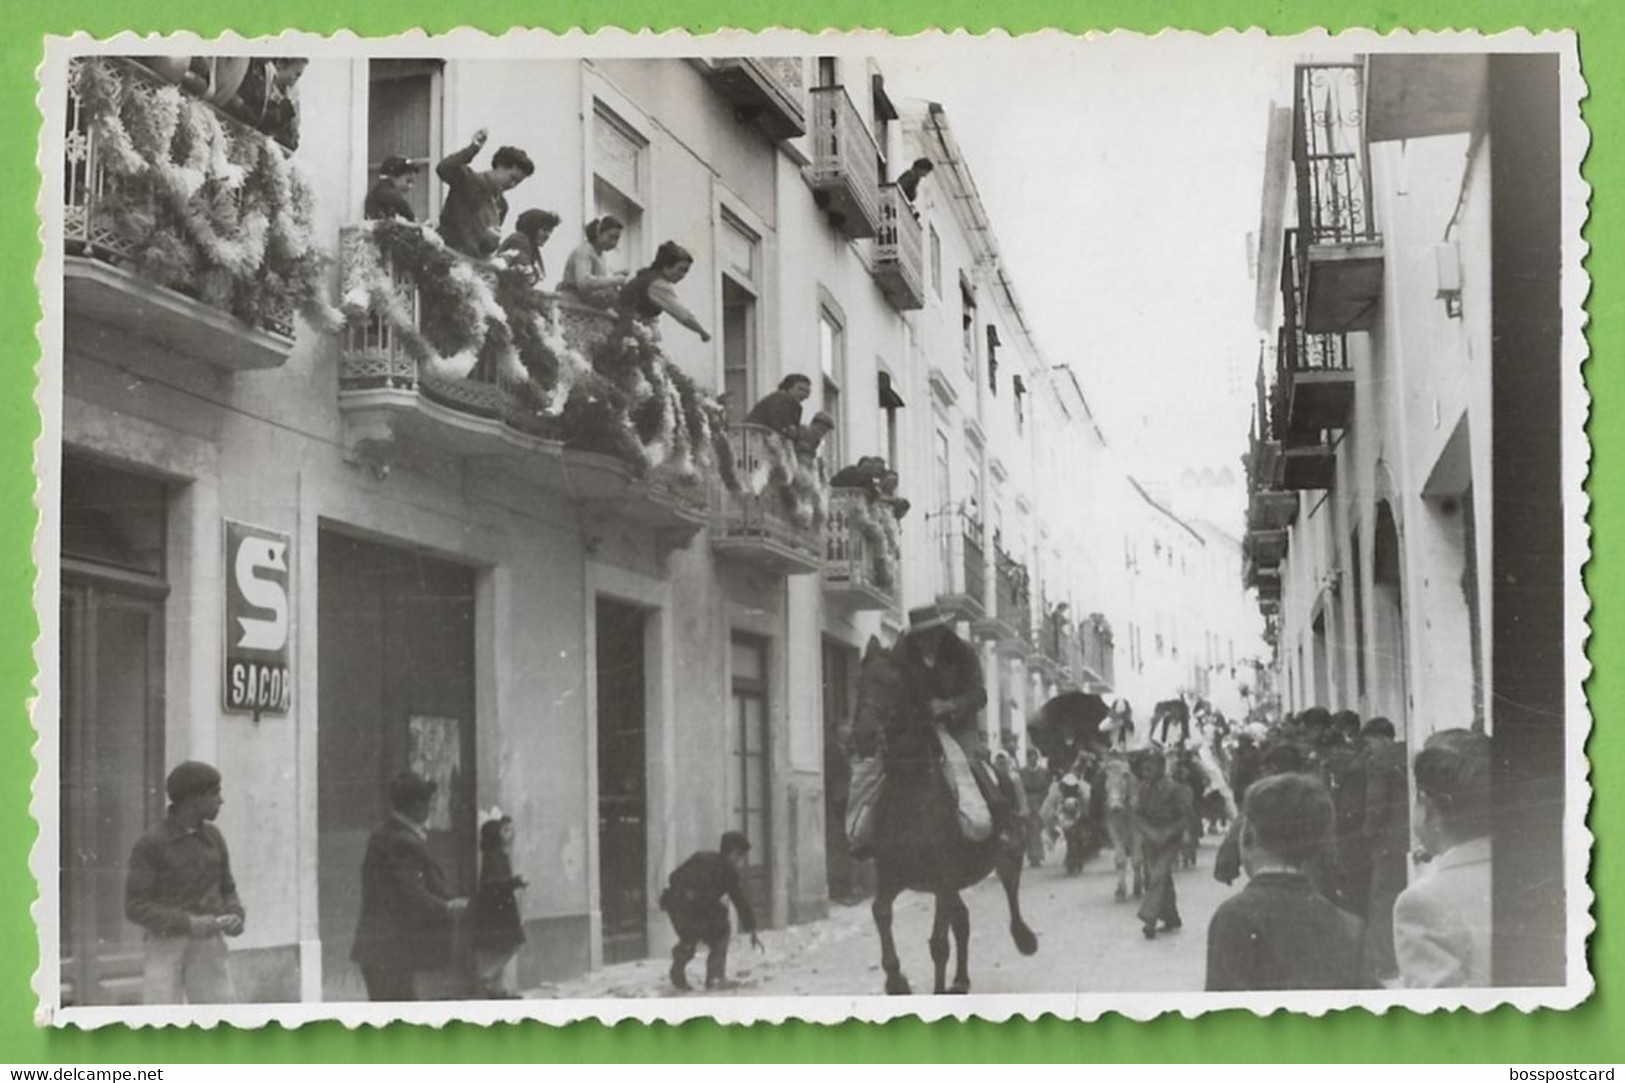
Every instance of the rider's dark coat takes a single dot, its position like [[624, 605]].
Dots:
[[956, 677]]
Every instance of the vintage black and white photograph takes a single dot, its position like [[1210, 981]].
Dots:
[[785, 526]]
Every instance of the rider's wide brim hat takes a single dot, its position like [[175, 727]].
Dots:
[[927, 616]]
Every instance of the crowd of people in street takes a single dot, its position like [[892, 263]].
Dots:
[[1315, 812]]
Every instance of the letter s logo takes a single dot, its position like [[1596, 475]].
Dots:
[[255, 554]]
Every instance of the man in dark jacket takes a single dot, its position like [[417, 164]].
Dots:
[[781, 410], [471, 220], [180, 890], [1162, 813], [694, 902], [406, 910], [1388, 839], [387, 196]]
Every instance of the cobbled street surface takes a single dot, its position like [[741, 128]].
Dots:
[[1087, 943]]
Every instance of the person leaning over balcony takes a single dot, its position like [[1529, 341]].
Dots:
[[1442, 921], [810, 438], [180, 890], [524, 246], [864, 475], [888, 494], [268, 97], [653, 290], [908, 181], [471, 220], [586, 274], [780, 410], [387, 196]]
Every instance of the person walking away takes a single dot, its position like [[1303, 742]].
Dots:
[[386, 199], [471, 220], [653, 290], [693, 900], [1279, 932], [1345, 773], [407, 913], [1442, 921], [1118, 727], [524, 246], [780, 410], [1035, 783], [1162, 815], [180, 890], [1388, 840], [494, 912], [586, 273]]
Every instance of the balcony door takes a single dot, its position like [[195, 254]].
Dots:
[[740, 251], [404, 119]]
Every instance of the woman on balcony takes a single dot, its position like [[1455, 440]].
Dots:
[[523, 247], [653, 290], [586, 275]]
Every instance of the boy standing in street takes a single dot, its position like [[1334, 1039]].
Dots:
[[694, 902], [1162, 811], [1279, 932], [179, 889]]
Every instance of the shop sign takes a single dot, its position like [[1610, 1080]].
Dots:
[[257, 675]]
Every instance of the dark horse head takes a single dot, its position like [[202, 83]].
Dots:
[[918, 844]]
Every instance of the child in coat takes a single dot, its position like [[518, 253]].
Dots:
[[1279, 932], [495, 911]]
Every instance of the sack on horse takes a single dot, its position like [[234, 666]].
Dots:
[[868, 779]]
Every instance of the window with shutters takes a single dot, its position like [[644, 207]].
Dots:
[[404, 119], [620, 183]]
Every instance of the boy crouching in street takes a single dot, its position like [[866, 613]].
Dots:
[[694, 902], [1279, 932]]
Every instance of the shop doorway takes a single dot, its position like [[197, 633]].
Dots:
[[396, 692]]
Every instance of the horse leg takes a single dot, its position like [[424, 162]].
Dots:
[[1119, 854], [1008, 868], [939, 945], [885, 894], [959, 920]]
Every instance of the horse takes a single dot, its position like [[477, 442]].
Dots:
[[1121, 785], [917, 841]]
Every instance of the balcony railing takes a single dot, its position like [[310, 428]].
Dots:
[[845, 163], [963, 566], [861, 550], [899, 264], [776, 518], [1096, 635], [134, 264], [1010, 622], [1342, 249], [1314, 378], [766, 90], [403, 401]]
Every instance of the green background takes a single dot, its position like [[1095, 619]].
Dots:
[[1592, 1033]]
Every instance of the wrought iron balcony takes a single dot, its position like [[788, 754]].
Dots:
[[845, 164], [899, 257], [1010, 624], [1269, 588], [402, 404], [770, 91], [131, 268], [861, 551], [1309, 467], [1272, 509], [1341, 249], [776, 519], [1267, 548], [963, 566], [1313, 378], [1097, 668]]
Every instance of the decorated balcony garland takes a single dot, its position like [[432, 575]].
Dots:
[[489, 322], [200, 205]]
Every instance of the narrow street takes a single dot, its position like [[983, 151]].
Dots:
[[1087, 943]]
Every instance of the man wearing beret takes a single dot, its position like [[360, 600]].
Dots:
[[180, 890], [406, 911]]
